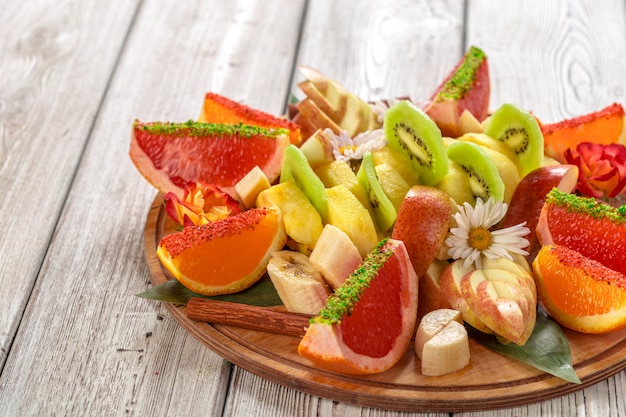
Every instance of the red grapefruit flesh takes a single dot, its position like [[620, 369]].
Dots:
[[170, 155], [223, 110], [604, 126], [368, 323], [467, 87], [594, 229]]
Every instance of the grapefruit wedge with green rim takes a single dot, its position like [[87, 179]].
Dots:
[[368, 322], [578, 292], [225, 256], [170, 155], [596, 230]]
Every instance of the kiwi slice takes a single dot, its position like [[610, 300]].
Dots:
[[520, 131], [410, 131], [296, 168], [385, 213], [484, 178]]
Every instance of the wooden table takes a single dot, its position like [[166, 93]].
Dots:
[[74, 338]]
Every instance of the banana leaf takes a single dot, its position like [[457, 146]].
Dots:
[[261, 294], [547, 349]]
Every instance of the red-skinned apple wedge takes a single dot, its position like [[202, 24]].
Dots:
[[530, 195], [431, 296]]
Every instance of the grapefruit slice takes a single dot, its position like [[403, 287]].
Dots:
[[594, 229], [223, 110], [604, 127], [467, 87], [225, 256], [580, 293], [170, 155], [367, 324]]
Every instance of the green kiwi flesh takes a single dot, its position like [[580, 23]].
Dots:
[[520, 131], [385, 213], [296, 168], [484, 178], [412, 132]]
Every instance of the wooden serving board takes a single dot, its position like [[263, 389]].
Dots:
[[491, 381]]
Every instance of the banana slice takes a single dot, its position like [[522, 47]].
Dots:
[[335, 256], [441, 342], [299, 284]]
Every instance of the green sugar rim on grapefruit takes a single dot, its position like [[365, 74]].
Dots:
[[199, 129], [586, 205], [463, 78], [341, 303]]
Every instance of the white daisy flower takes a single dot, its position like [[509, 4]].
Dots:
[[349, 149], [474, 236]]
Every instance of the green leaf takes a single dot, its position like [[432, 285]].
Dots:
[[261, 294], [547, 349]]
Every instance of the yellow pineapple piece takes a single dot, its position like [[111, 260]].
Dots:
[[352, 218], [392, 183], [386, 155], [303, 223], [339, 172]]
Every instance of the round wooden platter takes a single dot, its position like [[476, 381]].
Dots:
[[491, 381]]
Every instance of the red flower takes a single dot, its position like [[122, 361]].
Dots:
[[602, 168], [200, 204]]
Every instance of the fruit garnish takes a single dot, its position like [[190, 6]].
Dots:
[[602, 169], [329, 105], [385, 213], [594, 229], [520, 131], [303, 223], [473, 235], [441, 343], [466, 88], [222, 110], [484, 177], [578, 292], [348, 214], [414, 134], [530, 195], [367, 324], [300, 286], [170, 155], [196, 255], [603, 127], [200, 204], [296, 168]]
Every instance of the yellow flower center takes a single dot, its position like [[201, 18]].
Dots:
[[479, 238], [345, 149]]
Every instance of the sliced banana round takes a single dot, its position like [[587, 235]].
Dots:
[[300, 286]]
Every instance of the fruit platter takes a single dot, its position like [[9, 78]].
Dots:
[[435, 257]]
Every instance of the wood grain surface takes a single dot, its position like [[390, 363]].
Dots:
[[74, 74]]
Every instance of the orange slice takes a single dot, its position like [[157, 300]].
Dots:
[[604, 126], [225, 256], [578, 292]]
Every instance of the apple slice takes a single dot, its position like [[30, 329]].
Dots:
[[530, 195], [431, 296], [450, 284]]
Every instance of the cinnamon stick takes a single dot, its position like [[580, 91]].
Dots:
[[266, 319]]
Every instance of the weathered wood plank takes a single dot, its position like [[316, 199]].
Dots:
[[560, 61], [92, 347], [47, 102], [376, 50]]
